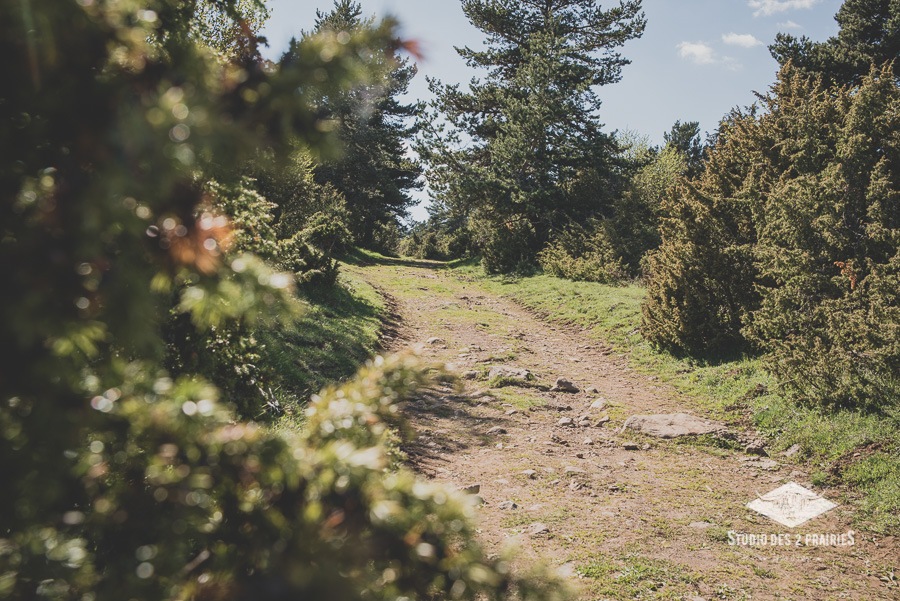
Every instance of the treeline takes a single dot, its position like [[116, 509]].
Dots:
[[163, 191], [779, 233]]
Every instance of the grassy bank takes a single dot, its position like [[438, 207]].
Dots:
[[338, 332], [856, 451]]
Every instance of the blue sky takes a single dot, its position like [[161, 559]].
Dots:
[[696, 60]]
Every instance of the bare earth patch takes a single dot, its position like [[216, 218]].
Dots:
[[664, 520]]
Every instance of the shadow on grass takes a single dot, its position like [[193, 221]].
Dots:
[[366, 258], [337, 333]]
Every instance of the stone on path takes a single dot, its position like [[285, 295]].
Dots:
[[599, 404], [672, 425], [538, 528], [564, 385], [502, 371]]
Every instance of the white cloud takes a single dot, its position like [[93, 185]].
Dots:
[[790, 25], [697, 52], [745, 40], [771, 7], [701, 53]]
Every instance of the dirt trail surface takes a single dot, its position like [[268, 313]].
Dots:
[[664, 520]]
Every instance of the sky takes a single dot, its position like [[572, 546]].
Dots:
[[696, 60]]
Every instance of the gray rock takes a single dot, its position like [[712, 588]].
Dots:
[[588, 441], [538, 528], [502, 371], [768, 464], [603, 419], [584, 423], [512, 411], [630, 446], [792, 451], [565, 421], [472, 489], [434, 340], [571, 469], [530, 474], [507, 505], [497, 430], [564, 385], [599, 404], [592, 390], [756, 448], [469, 375], [673, 425]]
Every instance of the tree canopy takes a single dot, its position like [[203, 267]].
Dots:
[[510, 149]]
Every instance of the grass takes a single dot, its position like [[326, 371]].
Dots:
[[338, 332], [841, 447], [636, 577]]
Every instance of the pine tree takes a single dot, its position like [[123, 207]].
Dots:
[[374, 173], [532, 123], [869, 37]]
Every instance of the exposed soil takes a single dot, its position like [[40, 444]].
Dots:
[[651, 523]]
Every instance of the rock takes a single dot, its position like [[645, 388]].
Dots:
[[579, 455], [512, 412], [554, 482], [592, 390], [565, 421], [497, 430], [514, 373], [499, 446], [470, 375], [645, 447], [556, 439], [768, 464], [564, 385], [756, 448], [792, 451], [603, 419], [538, 528], [584, 423], [575, 485], [630, 446], [599, 405], [530, 474], [472, 489], [571, 469], [672, 425], [434, 340], [700, 525], [507, 505], [588, 441]]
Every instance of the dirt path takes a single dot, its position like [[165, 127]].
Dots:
[[652, 523]]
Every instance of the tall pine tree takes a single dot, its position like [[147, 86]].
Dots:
[[531, 127], [374, 173], [869, 37]]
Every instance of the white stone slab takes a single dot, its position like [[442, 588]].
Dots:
[[791, 505]]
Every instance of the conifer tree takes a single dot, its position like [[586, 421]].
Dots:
[[533, 123], [374, 173], [869, 36]]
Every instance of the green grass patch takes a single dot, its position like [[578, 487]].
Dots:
[[636, 577], [337, 333], [518, 399]]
